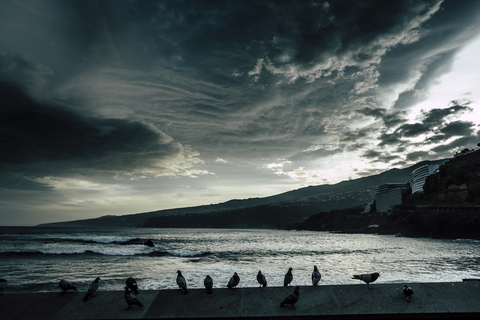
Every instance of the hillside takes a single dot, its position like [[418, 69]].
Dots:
[[278, 211], [449, 208]]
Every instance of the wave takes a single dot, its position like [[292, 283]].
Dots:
[[106, 252], [86, 237], [188, 253], [75, 237]]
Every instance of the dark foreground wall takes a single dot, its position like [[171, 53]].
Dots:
[[431, 300]]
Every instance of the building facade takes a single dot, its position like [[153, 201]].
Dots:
[[389, 194], [419, 176]]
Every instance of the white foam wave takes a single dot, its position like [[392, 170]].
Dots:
[[122, 251], [88, 237], [186, 253], [112, 250], [95, 237], [62, 251], [13, 235]]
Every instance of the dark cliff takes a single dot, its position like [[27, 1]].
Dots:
[[449, 208]]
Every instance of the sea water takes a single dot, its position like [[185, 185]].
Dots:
[[35, 259]]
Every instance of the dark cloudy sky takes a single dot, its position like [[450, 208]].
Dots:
[[118, 107]]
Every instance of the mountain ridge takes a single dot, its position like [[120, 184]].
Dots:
[[301, 203]]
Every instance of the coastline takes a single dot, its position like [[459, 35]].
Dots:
[[430, 300]]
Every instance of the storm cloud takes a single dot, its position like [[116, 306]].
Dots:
[[109, 107], [41, 139]]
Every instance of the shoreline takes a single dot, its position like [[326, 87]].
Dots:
[[430, 300]]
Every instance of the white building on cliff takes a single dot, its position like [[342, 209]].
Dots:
[[419, 176], [389, 194]]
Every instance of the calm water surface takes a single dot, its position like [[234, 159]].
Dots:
[[34, 259]]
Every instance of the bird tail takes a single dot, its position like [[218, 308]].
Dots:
[[356, 276], [209, 290], [265, 285], [72, 288], [185, 290], [138, 303], [86, 297]]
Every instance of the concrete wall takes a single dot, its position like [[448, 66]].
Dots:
[[453, 299]]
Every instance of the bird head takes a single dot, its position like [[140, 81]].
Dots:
[[97, 279]]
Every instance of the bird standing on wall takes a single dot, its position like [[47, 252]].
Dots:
[[132, 285], [316, 276], [367, 278], [131, 300], [65, 285], [182, 283], [407, 292], [234, 281], [292, 298], [288, 278], [92, 289], [208, 282], [261, 279]]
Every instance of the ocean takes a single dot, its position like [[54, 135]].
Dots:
[[35, 259]]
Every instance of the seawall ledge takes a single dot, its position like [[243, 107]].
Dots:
[[385, 301]]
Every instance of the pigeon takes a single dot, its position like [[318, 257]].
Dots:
[[92, 289], [288, 278], [261, 279], [3, 285], [131, 300], [367, 278], [132, 285], [407, 291], [292, 298], [234, 280], [182, 284], [65, 285], [208, 282], [316, 276]]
